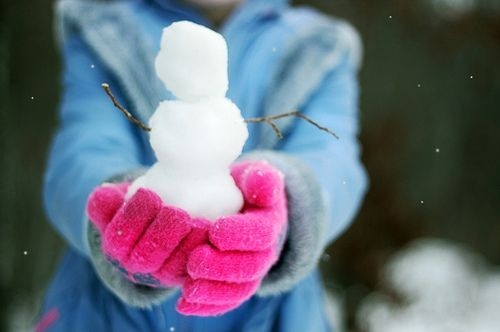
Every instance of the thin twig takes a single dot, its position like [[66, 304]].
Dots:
[[269, 120], [129, 115]]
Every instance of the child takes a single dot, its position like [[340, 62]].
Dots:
[[281, 59]]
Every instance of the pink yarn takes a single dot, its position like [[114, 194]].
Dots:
[[47, 320], [242, 248], [203, 309], [147, 239], [173, 272], [104, 202]]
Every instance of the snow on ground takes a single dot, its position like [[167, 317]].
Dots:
[[444, 287]]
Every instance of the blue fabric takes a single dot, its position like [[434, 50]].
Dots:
[[84, 304], [95, 142]]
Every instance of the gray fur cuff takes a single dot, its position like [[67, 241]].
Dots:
[[307, 219], [132, 294]]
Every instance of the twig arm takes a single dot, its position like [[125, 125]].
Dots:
[[266, 119], [129, 115], [270, 120]]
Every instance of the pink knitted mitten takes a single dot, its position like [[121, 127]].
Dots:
[[146, 240], [242, 248]]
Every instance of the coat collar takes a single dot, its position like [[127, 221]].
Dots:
[[248, 11]]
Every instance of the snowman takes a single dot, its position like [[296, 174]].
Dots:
[[197, 137]]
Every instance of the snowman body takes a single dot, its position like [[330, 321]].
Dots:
[[197, 137]]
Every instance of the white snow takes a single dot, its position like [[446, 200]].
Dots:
[[445, 288], [197, 137], [192, 62], [335, 311]]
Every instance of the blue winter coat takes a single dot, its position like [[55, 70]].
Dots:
[[280, 59]]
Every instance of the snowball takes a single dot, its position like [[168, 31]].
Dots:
[[198, 137], [202, 197], [192, 62], [195, 144]]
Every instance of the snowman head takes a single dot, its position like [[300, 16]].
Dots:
[[192, 62]]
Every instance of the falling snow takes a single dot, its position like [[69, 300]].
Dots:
[[25, 253], [437, 150]]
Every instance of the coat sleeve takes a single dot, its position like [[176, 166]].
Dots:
[[324, 177], [335, 163], [94, 142]]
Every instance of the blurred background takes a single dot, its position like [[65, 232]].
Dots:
[[430, 105]]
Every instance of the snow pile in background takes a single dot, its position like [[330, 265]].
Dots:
[[444, 287], [453, 9], [22, 313], [335, 311]]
